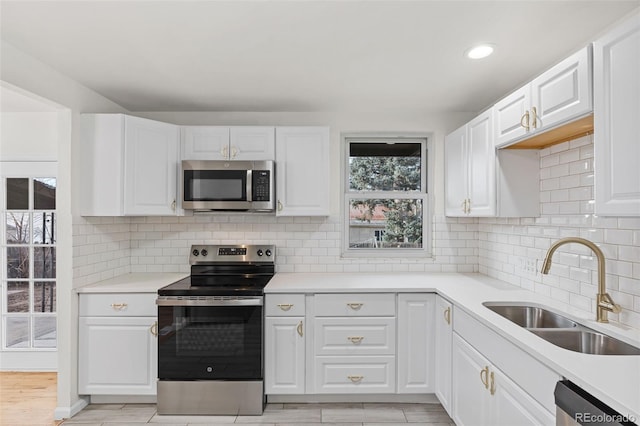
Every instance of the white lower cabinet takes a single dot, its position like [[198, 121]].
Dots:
[[443, 340], [350, 374], [483, 395], [495, 382], [117, 344], [284, 355], [284, 344], [416, 350]]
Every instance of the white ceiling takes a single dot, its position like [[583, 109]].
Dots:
[[303, 55]]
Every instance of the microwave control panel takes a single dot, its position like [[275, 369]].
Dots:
[[261, 184]]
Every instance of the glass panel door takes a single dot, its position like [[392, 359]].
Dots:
[[29, 264]]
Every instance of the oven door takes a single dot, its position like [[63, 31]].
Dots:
[[210, 338]]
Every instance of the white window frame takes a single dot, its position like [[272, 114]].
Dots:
[[425, 194]]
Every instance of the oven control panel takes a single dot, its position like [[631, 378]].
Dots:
[[211, 253]]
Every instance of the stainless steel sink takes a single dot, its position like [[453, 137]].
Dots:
[[531, 316], [562, 331], [587, 342]]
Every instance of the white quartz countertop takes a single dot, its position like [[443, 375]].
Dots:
[[139, 282], [615, 380]]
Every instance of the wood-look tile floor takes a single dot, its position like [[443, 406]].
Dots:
[[348, 414], [30, 399]]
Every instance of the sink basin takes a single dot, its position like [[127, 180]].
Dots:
[[531, 316], [561, 331], [587, 342]]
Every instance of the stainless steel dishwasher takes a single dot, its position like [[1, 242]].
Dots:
[[575, 406]]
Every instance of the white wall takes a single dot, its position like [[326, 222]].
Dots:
[[29, 136], [27, 73]]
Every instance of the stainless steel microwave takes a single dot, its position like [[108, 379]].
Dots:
[[207, 185]]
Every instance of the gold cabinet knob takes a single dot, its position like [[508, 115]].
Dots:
[[355, 306], [285, 306], [355, 339], [119, 306], [355, 379]]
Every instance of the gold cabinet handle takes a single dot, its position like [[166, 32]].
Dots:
[[525, 119], [464, 206], [234, 152], [355, 339], [492, 386], [468, 206], [484, 373], [534, 117], [280, 207], [447, 315], [355, 306], [355, 379], [154, 329], [299, 328], [173, 205], [225, 152], [119, 306], [285, 306]]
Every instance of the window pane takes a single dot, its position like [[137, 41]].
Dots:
[[385, 223], [17, 262], [17, 228], [44, 262], [17, 332], [17, 193], [384, 166], [17, 296], [44, 193], [44, 227], [44, 332], [44, 296]]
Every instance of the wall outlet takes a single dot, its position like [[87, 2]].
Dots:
[[530, 266]]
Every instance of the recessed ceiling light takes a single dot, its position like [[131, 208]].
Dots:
[[480, 51]]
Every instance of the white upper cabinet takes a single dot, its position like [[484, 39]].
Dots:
[[617, 115], [302, 171], [480, 182], [470, 169], [129, 166], [556, 97], [228, 143]]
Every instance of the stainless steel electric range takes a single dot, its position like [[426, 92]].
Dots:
[[210, 332]]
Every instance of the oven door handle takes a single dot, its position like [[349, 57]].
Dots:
[[245, 301]]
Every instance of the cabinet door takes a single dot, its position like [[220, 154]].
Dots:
[[616, 114], [508, 116], [151, 167], [510, 405], [415, 343], [470, 396], [252, 143], [456, 172], [302, 171], [205, 143], [117, 356], [443, 339], [284, 371], [482, 166], [563, 92]]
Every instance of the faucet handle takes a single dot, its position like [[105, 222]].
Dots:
[[605, 302]]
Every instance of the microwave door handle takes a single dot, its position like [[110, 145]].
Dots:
[[249, 184]]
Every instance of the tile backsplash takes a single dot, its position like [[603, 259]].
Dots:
[[508, 249]]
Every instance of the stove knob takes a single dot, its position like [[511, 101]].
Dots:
[[195, 252], [204, 252], [260, 253], [268, 253]]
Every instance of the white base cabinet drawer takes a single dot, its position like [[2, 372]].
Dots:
[[284, 305], [118, 305], [371, 374], [350, 305], [355, 336]]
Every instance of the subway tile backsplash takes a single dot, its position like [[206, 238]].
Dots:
[[508, 249]]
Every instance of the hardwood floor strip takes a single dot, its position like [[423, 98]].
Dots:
[[28, 398]]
